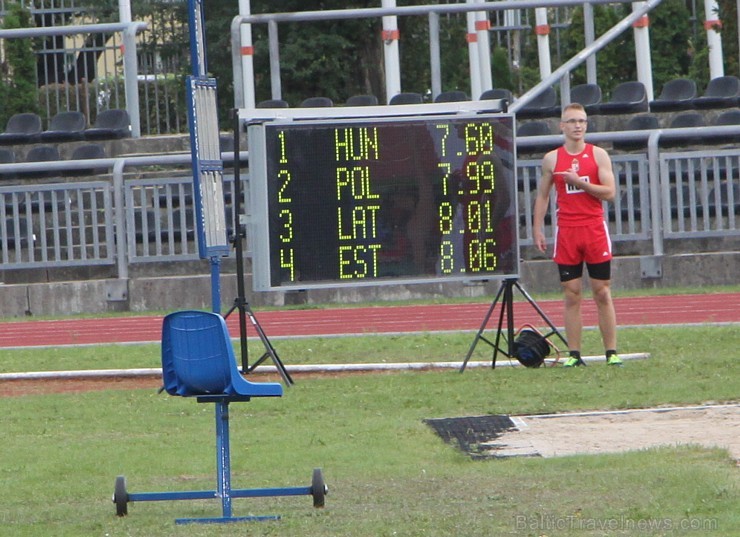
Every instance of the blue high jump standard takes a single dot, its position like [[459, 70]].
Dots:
[[198, 361]]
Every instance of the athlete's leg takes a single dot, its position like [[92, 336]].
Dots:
[[602, 294], [573, 294]]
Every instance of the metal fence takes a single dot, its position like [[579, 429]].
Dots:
[[84, 71]]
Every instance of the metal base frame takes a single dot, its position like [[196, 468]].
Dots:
[[317, 489]]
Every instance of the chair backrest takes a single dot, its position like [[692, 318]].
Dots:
[[547, 98], [688, 119], [534, 128], [497, 93], [406, 98], [24, 123], [317, 102], [112, 119], [67, 121], [586, 94], [273, 103], [678, 89], [43, 153], [723, 86], [545, 104], [642, 122], [112, 123], [198, 358], [88, 151], [7, 156], [629, 92], [728, 117], [451, 96], [362, 100]]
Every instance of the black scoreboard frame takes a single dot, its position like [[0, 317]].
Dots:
[[326, 197]]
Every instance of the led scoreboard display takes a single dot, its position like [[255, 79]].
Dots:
[[382, 200]]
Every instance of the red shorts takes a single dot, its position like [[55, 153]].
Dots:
[[589, 243]]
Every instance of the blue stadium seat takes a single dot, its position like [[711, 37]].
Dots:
[[198, 359]]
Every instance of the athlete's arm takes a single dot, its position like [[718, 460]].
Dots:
[[542, 201]]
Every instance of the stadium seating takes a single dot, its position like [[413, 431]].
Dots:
[[451, 96], [273, 103], [317, 102], [21, 128], [534, 128], [65, 127], [685, 120], [721, 92], [41, 153], [110, 125], [545, 104], [87, 152], [7, 156], [406, 98], [626, 98], [589, 95], [677, 94], [498, 93], [362, 100], [637, 123]]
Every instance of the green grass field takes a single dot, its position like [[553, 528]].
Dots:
[[388, 473]]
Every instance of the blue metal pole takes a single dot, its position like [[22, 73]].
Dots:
[[224, 457]]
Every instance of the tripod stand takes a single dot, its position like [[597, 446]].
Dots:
[[240, 302], [506, 295]]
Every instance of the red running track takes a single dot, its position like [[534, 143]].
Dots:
[[631, 311]]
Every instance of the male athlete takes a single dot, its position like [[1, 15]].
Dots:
[[583, 178]]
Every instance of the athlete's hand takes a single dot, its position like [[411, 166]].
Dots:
[[539, 241]]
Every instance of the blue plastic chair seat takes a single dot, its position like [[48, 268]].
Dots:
[[198, 359]]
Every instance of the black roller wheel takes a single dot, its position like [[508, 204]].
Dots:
[[318, 488], [120, 496]]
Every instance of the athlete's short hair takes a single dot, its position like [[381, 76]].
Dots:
[[573, 106]]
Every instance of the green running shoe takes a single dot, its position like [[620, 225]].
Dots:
[[573, 362], [614, 360]]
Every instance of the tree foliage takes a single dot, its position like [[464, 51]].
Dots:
[[18, 86]]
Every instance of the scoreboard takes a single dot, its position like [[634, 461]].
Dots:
[[371, 201]]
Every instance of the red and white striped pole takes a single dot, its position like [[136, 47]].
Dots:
[[390, 35], [542, 30], [643, 59], [712, 25]]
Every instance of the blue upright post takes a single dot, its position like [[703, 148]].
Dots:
[[224, 457], [207, 164]]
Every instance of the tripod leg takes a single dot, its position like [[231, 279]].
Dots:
[[483, 325], [270, 349], [541, 313]]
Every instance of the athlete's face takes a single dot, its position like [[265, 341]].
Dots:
[[573, 123]]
